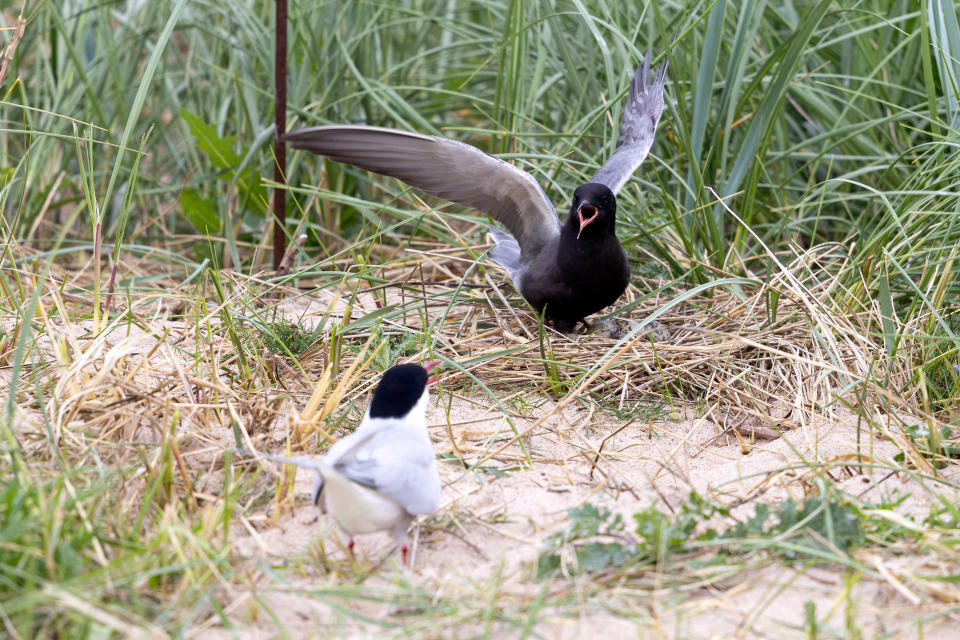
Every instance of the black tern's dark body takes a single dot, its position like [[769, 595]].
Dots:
[[566, 271], [587, 271]]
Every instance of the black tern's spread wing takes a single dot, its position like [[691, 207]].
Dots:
[[640, 118], [445, 168]]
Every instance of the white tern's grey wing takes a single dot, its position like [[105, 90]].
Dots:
[[445, 168], [355, 439], [398, 465], [640, 117]]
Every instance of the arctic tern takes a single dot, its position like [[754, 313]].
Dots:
[[383, 474]]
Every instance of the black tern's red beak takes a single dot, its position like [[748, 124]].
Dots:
[[431, 365], [585, 221]]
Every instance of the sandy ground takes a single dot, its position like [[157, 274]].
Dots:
[[473, 566], [489, 529]]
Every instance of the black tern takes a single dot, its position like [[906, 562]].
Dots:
[[565, 271]]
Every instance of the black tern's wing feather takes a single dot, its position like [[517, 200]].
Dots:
[[640, 117], [445, 168]]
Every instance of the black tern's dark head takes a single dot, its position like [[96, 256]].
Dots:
[[593, 211], [400, 390]]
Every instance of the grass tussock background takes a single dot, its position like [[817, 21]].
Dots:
[[793, 239]]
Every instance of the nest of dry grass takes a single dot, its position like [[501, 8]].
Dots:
[[759, 358]]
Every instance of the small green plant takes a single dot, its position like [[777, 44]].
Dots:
[[819, 524], [285, 337], [813, 529], [938, 445], [943, 516], [396, 348], [661, 535], [657, 535], [587, 523], [642, 411]]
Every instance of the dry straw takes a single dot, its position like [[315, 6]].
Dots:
[[764, 357]]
